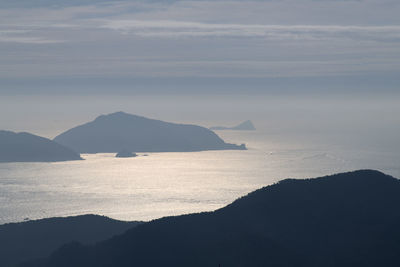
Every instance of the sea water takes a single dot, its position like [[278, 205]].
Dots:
[[166, 184]]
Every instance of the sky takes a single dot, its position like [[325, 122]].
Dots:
[[145, 47], [330, 67]]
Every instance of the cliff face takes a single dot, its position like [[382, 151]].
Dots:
[[25, 147], [114, 132]]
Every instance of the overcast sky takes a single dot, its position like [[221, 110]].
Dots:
[[60, 46]]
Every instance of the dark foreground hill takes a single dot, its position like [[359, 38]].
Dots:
[[244, 126], [350, 219], [26, 147], [35, 239], [121, 131]]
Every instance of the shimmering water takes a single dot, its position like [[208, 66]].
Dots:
[[163, 184]]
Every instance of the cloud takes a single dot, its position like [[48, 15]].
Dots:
[[367, 20], [171, 28], [201, 39], [23, 36]]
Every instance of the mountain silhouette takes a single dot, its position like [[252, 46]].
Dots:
[[35, 239], [244, 126], [121, 131], [349, 219], [26, 147]]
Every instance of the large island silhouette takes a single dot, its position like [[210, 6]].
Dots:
[[121, 131], [344, 220], [26, 147]]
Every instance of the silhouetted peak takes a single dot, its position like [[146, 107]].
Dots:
[[117, 115], [4, 132], [358, 176], [120, 114], [27, 136], [38, 238], [346, 177], [124, 118], [347, 220], [120, 130], [244, 126], [27, 147], [362, 183], [11, 133]]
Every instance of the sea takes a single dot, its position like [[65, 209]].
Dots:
[[155, 185]]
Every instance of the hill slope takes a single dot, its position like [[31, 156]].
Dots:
[[26, 147], [349, 219], [35, 239], [121, 131]]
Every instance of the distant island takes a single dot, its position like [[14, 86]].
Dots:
[[114, 132], [26, 147], [36, 239], [344, 220], [125, 154], [244, 126]]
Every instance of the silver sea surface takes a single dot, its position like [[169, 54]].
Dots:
[[165, 184]]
